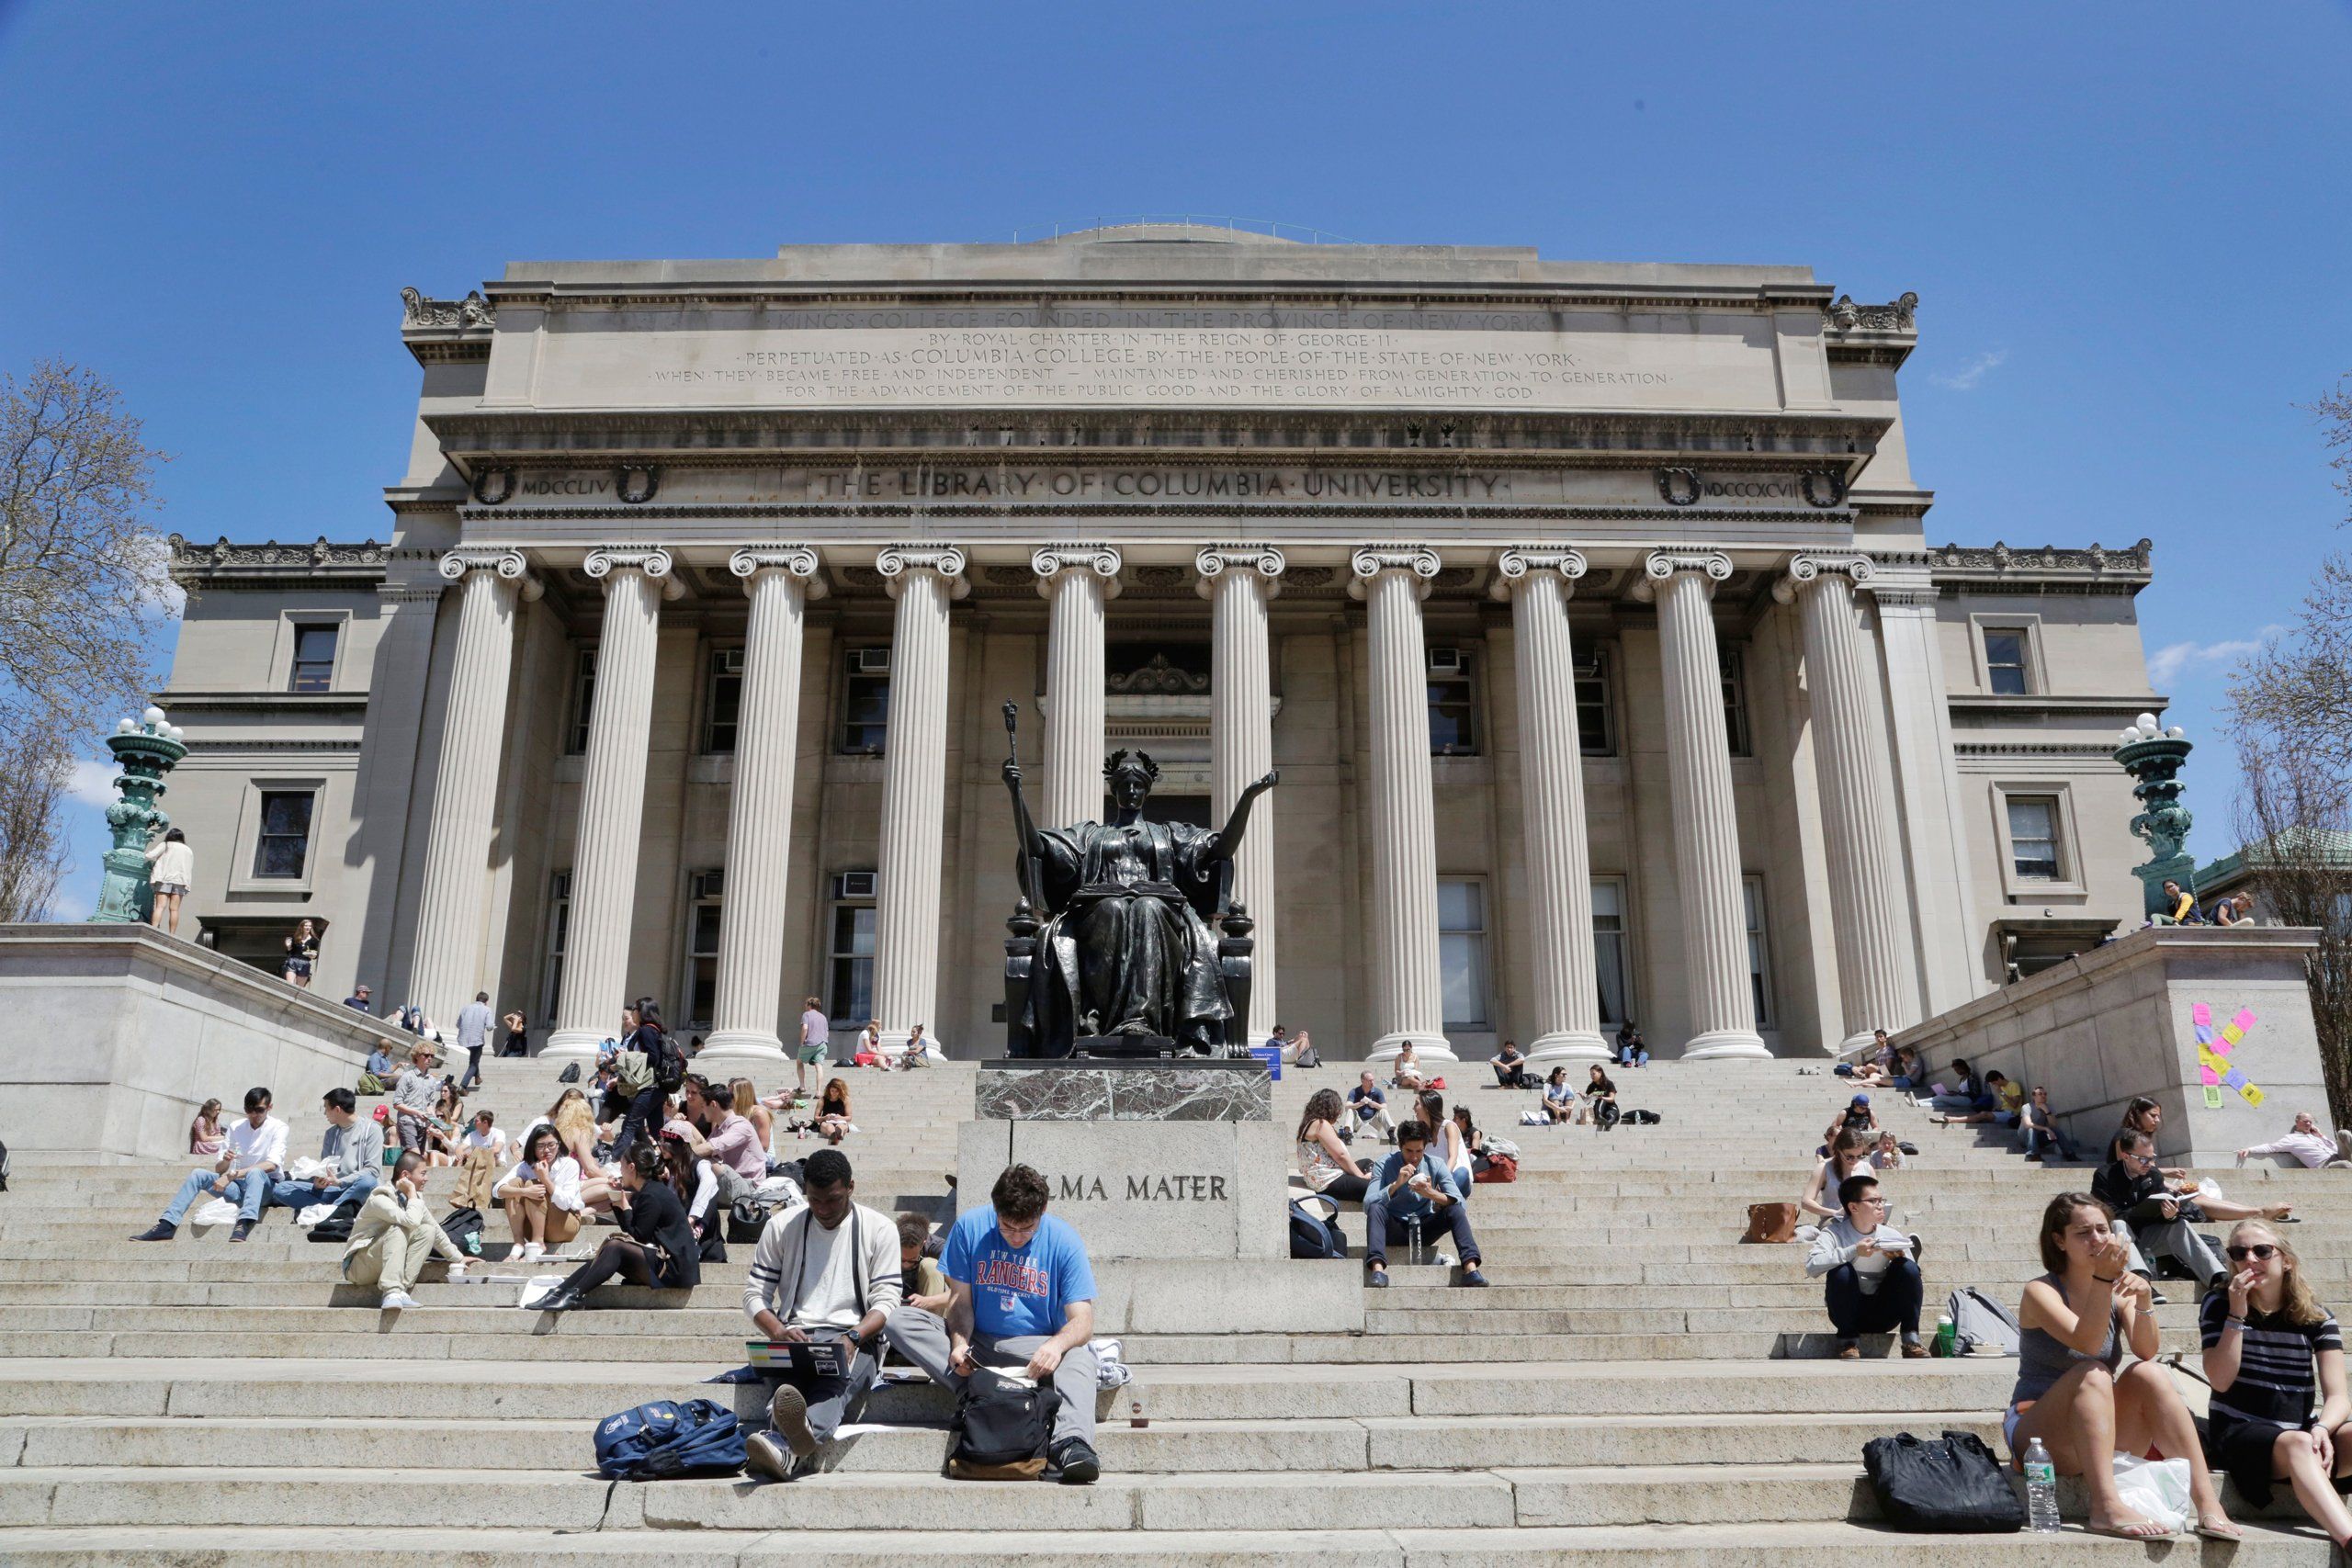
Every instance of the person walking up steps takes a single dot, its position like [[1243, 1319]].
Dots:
[[473, 1037]]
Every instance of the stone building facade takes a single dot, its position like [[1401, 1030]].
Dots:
[[1586, 611]]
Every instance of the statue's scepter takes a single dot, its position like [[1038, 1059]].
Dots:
[[1030, 875]]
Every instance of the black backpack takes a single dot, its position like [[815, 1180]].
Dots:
[[463, 1227], [668, 1064], [1312, 1235], [336, 1226], [569, 1075], [1951, 1486], [1001, 1428]]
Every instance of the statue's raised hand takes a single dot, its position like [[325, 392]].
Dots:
[[1012, 775], [1263, 784]]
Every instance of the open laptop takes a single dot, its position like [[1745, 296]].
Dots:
[[825, 1358]]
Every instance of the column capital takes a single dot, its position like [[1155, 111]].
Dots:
[[1662, 565], [1808, 569], [946, 560], [1521, 564], [650, 560], [506, 560], [1216, 560], [793, 560], [1372, 561], [1052, 561]]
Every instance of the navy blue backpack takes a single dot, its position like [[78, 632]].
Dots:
[[661, 1439], [1312, 1235]]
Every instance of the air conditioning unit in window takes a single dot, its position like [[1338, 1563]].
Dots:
[[872, 660], [1446, 660], [709, 884], [854, 885]]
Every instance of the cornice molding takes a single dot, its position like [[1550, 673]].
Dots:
[[852, 511], [2049, 563], [323, 558]]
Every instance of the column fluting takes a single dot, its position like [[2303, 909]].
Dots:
[[1239, 581], [448, 970], [1408, 999], [612, 801], [1538, 580], [779, 580], [1075, 580], [1706, 828], [1875, 979], [923, 580]]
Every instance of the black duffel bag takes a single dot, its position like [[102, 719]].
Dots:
[[1949, 1487]]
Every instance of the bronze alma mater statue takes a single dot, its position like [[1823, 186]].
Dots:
[[1126, 954]]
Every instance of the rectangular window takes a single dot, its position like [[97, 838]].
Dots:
[[559, 931], [584, 701], [1454, 726], [1596, 710], [1462, 953], [853, 965], [2033, 837], [1608, 948], [703, 889], [866, 703], [1759, 949], [722, 699], [314, 668], [1735, 707], [283, 846], [2005, 662]]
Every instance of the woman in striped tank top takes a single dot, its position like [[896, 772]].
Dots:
[[2270, 1348]]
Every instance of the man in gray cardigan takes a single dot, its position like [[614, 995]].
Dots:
[[353, 1152]]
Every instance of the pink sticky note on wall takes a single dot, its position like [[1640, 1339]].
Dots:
[[2200, 1015]]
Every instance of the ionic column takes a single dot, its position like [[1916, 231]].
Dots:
[[448, 970], [1239, 581], [1408, 1001], [611, 799], [778, 581], [1706, 830], [922, 579], [1075, 580], [1538, 580], [1875, 980]]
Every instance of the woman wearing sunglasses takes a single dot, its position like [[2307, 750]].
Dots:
[[2269, 1347]]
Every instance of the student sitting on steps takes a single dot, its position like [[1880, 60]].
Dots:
[[827, 1271], [2071, 1391], [918, 1276], [1412, 1184], [659, 1248], [1023, 1295], [1850, 1154], [1869, 1270], [394, 1236], [353, 1152], [249, 1161]]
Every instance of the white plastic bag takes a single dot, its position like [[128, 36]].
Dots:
[[312, 1214], [306, 1167], [539, 1288], [214, 1211], [2156, 1489]]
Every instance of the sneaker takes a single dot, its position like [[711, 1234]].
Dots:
[[763, 1455], [1849, 1351], [396, 1300], [1912, 1349], [160, 1230], [2156, 1298], [241, 1229], [1076, 1462], [788, 1418], [1377, 1280]]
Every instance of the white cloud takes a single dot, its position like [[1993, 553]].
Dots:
[[93, 784], [71, 903], [2173, 661], [1966, 378]]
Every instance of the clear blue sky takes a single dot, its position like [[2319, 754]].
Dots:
[[2128, 226]]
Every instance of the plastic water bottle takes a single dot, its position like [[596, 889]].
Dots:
[[1413, 1241], [2040, 1489], [1946, 1336]]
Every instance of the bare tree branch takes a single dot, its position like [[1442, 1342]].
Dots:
[[34, 774]]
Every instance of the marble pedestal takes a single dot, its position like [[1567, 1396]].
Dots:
[[1173, 1168]]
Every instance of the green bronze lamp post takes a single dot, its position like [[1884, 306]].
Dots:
[[145, 749], [2153, 756]]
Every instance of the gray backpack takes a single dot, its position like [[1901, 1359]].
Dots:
[[1981, 1326]]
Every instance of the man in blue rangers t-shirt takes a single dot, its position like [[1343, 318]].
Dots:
[[1020, 1291]]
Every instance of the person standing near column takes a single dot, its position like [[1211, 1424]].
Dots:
[[171, 872], [473, 1037], [816, 1034]]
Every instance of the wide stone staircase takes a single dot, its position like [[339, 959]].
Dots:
[[1635, 1382]]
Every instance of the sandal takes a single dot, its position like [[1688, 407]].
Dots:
[[2139, 1529], [2224, 1531]]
